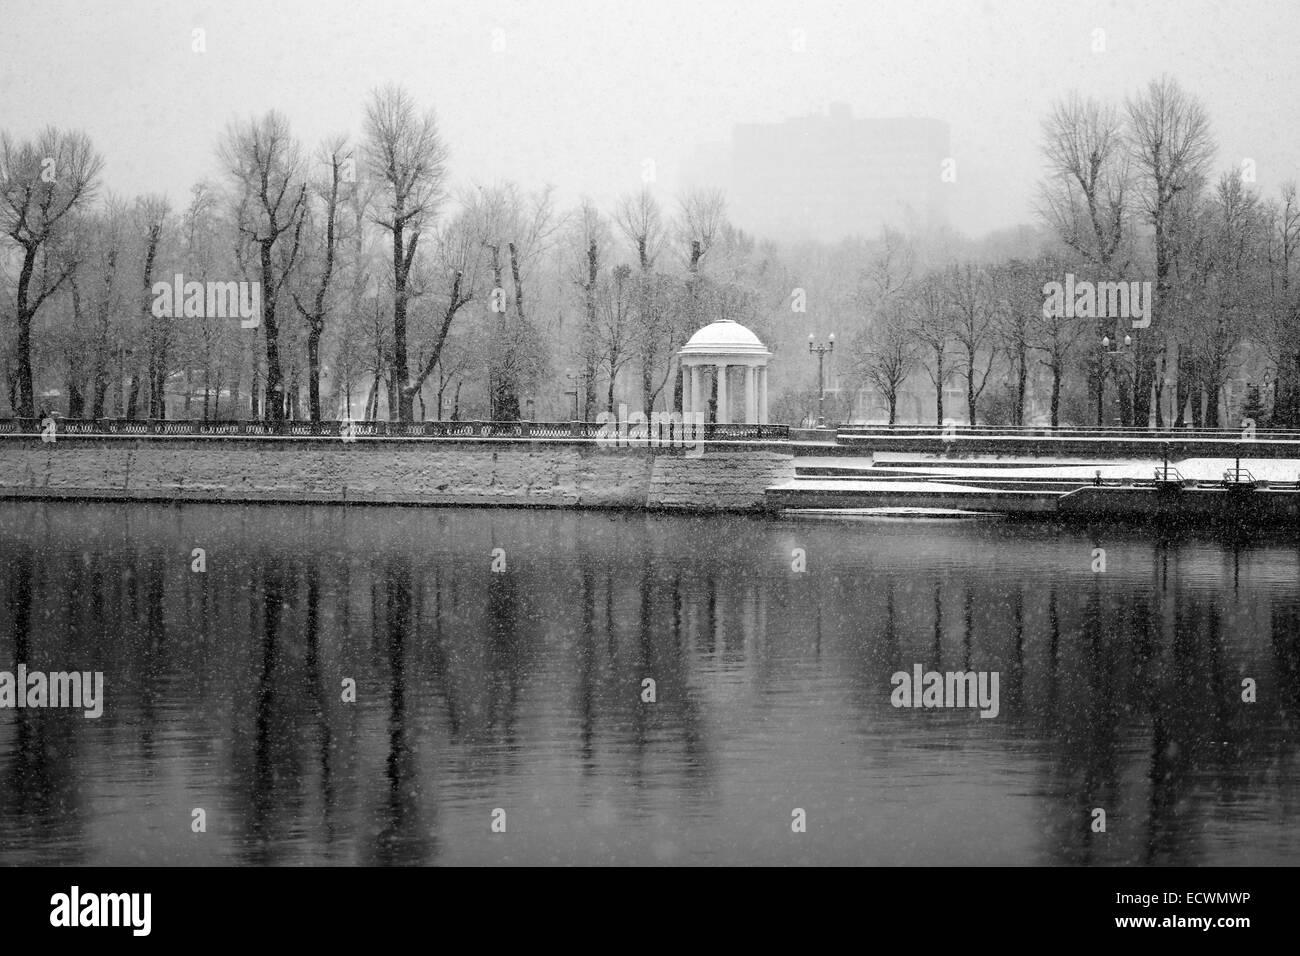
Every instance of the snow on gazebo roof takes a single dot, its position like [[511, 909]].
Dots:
[[725, 337]]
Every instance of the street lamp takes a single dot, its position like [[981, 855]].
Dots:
[[820, 351], [1118, 350]]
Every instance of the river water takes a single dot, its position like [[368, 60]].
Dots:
[[519, 696]]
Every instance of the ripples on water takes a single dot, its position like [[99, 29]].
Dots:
[[522, 690]]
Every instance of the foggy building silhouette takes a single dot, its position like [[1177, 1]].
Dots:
[[828, 176]]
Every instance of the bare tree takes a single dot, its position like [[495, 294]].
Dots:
[[517, 231], [616, 332], [75, 337], [151, 219], [884, 354], [1170, 143], [406, 153], [1219, 285], [265, 164], [1283, 333], [42, 184], [336, 156], [1017, 304], [1086, 200], [660, 327], [590, 234], [1056, 337], [931, 321], [700, 217], [640, 220], [108, 229], [973, 330], [458, 253]]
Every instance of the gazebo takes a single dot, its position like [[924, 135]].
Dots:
[[720, 346]]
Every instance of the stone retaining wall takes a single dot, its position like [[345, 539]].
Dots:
[[729, 476]]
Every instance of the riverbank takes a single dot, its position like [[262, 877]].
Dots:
[[566, 465]]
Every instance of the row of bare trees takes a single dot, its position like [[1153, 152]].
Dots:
[[374, 279], [1128, 197], [385, 288]]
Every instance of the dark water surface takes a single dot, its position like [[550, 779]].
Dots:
[[521, 690]]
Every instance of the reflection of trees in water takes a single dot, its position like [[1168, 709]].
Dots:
[[403, 837], [266, 762], [1146, 721], [1130, 691], [314, 686], [631, 625], [41, 819], [1121, 692]]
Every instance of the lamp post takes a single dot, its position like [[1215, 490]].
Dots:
[[820, 351], [1105, 345], [1118, 350]]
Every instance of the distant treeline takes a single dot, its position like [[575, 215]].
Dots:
[[385, 292]]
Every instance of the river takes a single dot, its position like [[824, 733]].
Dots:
[[623, 688]]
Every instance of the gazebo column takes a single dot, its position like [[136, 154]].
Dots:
[[723, 417], [762, 395], [751, 397], [694, 373]]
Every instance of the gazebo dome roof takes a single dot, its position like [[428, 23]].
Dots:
[[726, 337]]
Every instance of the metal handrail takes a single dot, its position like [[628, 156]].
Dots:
[[1169, 431], [381, 429]]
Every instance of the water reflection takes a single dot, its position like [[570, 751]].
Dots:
[[522, 690]]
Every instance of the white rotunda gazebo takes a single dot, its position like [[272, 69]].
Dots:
[[706, 359]]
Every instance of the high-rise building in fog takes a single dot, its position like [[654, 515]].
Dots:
[[829, 176]]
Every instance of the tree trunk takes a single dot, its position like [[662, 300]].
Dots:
[[274, 404], [1099, 394], [372, 400], [157, 329], [970, 392], [1212, 390], [401, 405], [1056, 394], [76, 400], [1022, 375], [26, 388], [133, 401], [255, 386], [313, 373], [1182, 386]]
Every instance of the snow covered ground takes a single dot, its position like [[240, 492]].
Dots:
[[1201, 469]]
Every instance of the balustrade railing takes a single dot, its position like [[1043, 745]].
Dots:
[[381, 429], [1065, 431]]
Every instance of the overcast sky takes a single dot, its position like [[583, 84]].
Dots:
[[583, 91]]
